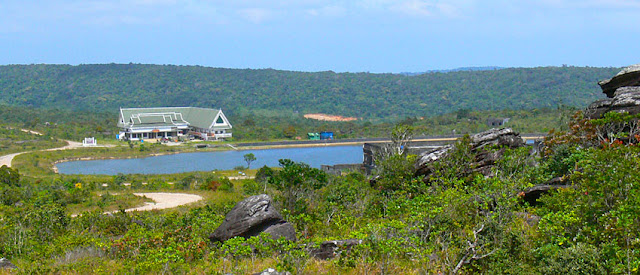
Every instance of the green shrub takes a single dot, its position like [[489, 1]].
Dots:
[[225, 185], [251, 187], [580, 258]]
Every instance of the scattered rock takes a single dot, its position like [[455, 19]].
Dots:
[[532, 194], [6, 264], [285, 230], [272, 271], [331, 249], [251, 217], [629, 76], [484, 159]]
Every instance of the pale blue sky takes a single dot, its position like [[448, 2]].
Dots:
[[314, 35]]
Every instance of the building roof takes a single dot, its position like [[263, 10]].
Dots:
[[169, 116]]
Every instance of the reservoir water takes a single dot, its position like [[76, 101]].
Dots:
[[219, 160]]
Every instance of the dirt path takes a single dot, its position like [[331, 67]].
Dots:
[[7, 159], [165, 200]]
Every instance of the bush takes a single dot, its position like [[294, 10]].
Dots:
[[250, 187], [264, 174], [225, 185], [9, 176], [578, 259]]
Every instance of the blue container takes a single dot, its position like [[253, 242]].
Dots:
[[326, 135]]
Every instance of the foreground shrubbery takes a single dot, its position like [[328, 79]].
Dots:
[[453, 223]]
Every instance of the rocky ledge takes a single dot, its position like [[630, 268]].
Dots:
[[480, 143], [625, 99], [628, 77]]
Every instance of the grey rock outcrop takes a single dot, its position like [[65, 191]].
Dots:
[[424, 161], [629, 76], [6, 264], [484, 159], [251, 217], [331, 249], [625, 99]]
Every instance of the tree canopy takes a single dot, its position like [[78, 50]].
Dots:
[[107, 87]]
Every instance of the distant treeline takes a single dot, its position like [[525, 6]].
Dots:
[[271, 125], [242, 91]]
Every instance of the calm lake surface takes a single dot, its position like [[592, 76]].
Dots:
[[207, 161]]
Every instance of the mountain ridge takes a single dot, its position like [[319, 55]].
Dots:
[[370, 96]]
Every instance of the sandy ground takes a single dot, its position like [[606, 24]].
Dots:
[[6, 159], [241, 177], [70, 145], [165, 200], [161, 201], [329, 117]]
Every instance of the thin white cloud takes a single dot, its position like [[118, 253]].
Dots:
[[415, 8], [256, 15], [135, 12], [328, 11], [418, 8], [588, 4], [155, 2]]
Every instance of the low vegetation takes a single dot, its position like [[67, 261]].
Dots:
[[453, 223], [14, 140]]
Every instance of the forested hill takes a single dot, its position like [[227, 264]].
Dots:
[[370, 96]]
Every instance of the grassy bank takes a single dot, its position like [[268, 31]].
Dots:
[[14, 140]]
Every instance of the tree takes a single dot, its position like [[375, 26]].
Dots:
[[296, 181], [289, 131], [249, 158], [9, 176], [394, 166]]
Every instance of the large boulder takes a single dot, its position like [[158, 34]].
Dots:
[[629, 76], [625, 99], [480, 143], [251, 217]]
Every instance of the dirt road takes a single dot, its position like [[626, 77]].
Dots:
[[7, 159]]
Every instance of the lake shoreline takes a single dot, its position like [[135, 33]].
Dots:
[[208, 160]]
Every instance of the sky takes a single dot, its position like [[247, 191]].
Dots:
[[378, 36]]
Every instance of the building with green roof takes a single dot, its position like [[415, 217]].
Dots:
[[173, 122]]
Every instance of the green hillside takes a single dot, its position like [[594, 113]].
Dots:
[[369, 96]]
